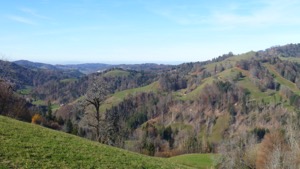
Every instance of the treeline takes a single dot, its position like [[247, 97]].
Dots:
[[290, 50]]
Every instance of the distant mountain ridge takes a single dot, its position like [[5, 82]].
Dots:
[[85, 68], [33, 65], [88, 68]]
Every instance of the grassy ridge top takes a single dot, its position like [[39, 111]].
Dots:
[[117, 73], [24, 145]]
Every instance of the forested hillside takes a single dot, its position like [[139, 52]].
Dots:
[[244, 107]]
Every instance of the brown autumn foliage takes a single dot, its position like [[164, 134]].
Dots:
[[271, 144], [37, 119]]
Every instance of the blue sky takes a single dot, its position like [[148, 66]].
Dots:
[[136, 31]]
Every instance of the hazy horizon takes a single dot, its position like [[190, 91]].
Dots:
[[102, 62]]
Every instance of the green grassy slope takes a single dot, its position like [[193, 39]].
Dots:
[[24, 145], [225, 75], [292, 86], [201, 161], [222, 124], [193, 94], [245, 82], [292, 59], [118, 97], [231, 60]]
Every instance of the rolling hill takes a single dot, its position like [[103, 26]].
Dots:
[[199, 107], [215, 100]]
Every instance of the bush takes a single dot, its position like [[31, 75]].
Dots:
[[37, 119]]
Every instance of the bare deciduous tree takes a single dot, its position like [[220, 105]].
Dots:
[[5, 95], [95, 96], [238, 152]]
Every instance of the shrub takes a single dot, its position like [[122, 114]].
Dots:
[[37, 119]]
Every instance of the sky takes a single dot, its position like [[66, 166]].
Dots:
[[140, 31]]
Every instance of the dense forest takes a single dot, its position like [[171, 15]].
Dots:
[[244, 107]]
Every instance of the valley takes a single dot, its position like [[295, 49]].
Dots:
[[248, 100]]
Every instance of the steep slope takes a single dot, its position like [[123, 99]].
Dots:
[[26, 145]]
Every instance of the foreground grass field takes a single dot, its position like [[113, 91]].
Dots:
[[24, 145]]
